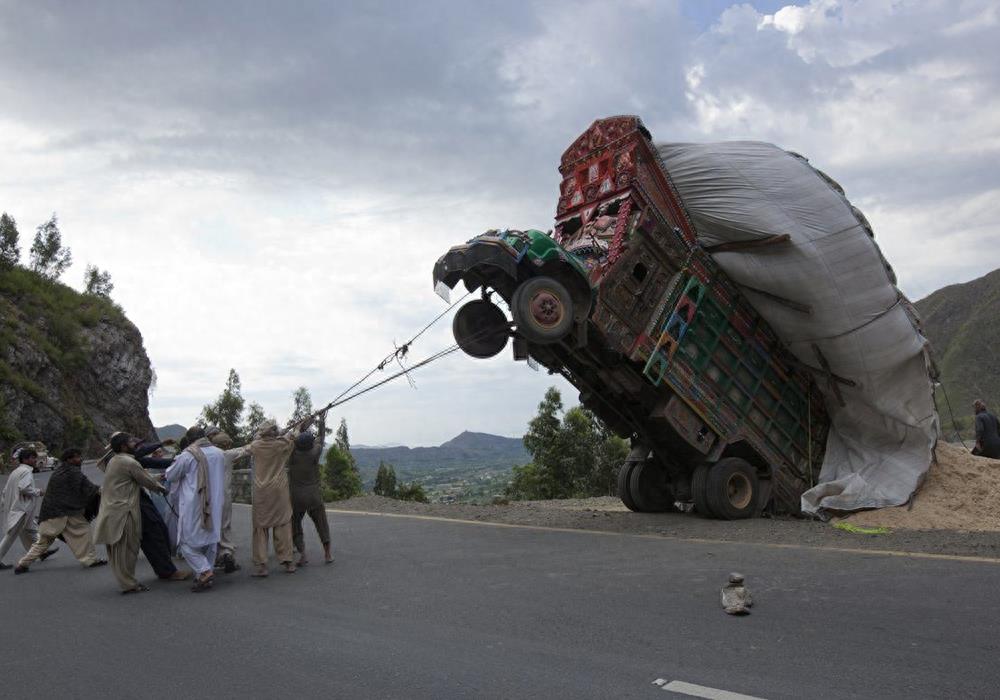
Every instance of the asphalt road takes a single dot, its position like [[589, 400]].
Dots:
[[421, 608]]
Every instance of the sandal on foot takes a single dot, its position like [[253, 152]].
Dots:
[[139, 588], [96, 563], [289, 567], [202, 584], [45, 555], [260, 572]]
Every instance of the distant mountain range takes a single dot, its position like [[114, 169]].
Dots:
[[172, 431], [466, 450], [962, 321]]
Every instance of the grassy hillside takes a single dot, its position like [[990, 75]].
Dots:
[[962, 321], [64, 357]]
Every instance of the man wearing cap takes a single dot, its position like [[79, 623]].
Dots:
[[987, 432], [226, 557], [307, 491], [272, 505], [119, 523], [66, 497], [200, 473], [18, 504]]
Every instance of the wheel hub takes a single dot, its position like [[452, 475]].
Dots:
[[739, 490], [546, 309]]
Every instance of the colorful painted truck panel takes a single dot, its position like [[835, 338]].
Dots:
[[623, 302]]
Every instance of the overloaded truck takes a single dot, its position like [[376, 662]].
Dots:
[[621, 300]]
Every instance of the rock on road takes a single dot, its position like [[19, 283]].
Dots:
[[426, 608]]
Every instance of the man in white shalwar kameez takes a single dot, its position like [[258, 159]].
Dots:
[[226, 556], [199, 472], [18, 505]]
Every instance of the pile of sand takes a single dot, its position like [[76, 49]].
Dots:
[[961, 492]]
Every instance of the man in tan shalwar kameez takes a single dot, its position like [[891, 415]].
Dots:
[[272, 504], [119, 523]]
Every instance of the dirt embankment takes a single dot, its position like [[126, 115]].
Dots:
[[961, 492], [610, 516]]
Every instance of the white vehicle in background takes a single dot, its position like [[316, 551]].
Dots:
[[45, 462]]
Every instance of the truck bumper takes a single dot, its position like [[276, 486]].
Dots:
[[461, 262]]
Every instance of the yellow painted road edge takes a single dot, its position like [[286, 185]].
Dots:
[[675, 538]]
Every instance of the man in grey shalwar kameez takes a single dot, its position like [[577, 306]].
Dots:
[[307, 491], [18, 505]]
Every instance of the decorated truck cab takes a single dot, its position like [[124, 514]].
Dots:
[[622, 301]]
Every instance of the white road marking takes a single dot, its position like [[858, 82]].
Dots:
[[701, 691]]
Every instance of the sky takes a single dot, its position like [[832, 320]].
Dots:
[[270, 184]]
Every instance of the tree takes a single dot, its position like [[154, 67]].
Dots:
[[611, 454], [340, 477], [48, 256], [543, 427], [97, 283], [227, 410], [412, 492], [343, 442], [255, 418], [10, 250], [303, 405], [576, 455], [385, 480]]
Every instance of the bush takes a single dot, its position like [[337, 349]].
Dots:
[[412, 492]]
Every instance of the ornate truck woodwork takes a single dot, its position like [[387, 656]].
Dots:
[[661, 344]]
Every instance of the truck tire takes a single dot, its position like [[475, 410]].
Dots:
[[624, 491], [480, 329], [650, 490], [698, 493], [543, 310], [732, 489]]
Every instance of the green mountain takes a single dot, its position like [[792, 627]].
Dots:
[[170, 432], [962, 321], [466, 452], [72, 367]]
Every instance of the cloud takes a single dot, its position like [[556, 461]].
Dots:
[[270, 184]]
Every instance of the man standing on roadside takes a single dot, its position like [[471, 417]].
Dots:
[[307, 491], [66, 497], [18, 504], [119, 523], [226, 557], [200, 473], [987, 432], [272, 505]]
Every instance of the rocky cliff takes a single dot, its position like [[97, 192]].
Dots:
[[72, 367]]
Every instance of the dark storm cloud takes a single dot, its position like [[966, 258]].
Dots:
[[402, 95]]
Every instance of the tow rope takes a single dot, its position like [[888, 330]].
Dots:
[[399, 354]]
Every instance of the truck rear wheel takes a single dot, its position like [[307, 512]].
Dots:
[[543, 310], [732, 489], [624, 489], [699, 495], [650, 488], [480, 329]]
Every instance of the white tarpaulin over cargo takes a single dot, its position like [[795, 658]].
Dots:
[[880, 441]]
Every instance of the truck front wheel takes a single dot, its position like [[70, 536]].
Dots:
[[543, 310], [732, 489]]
